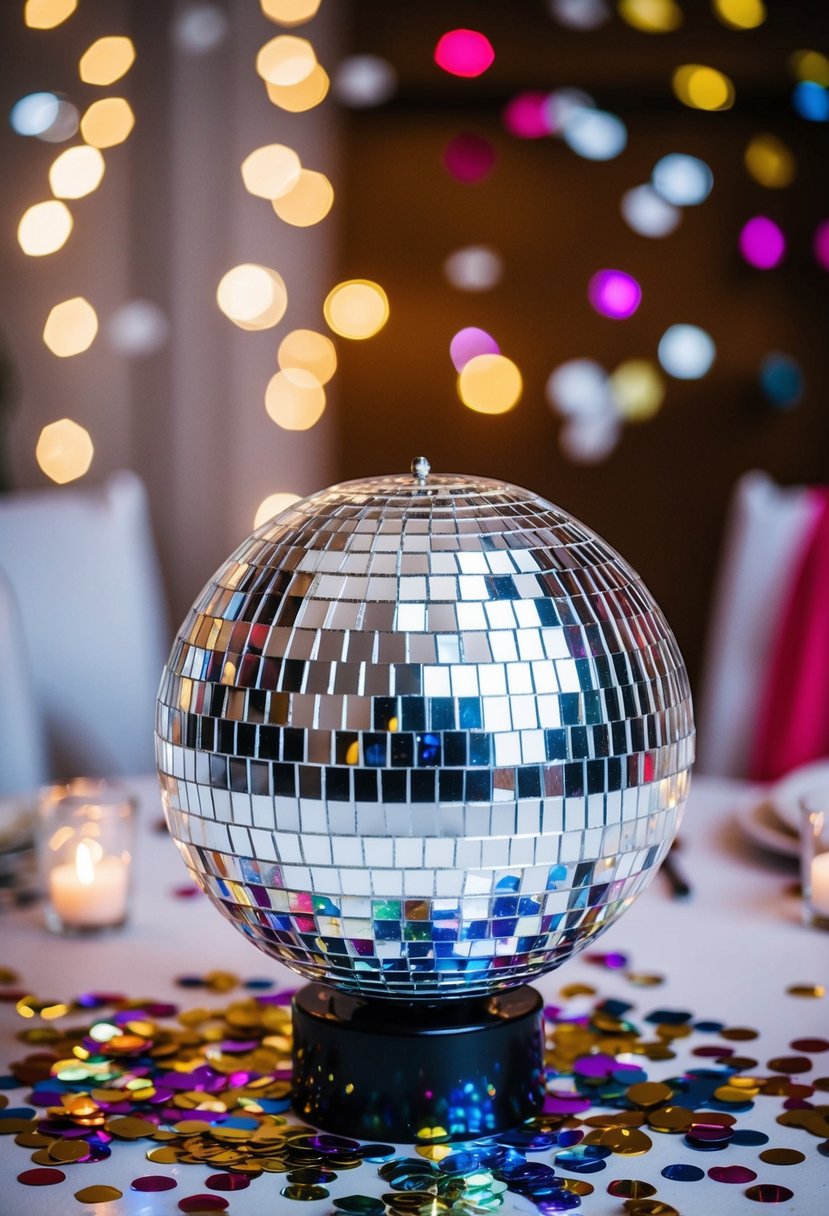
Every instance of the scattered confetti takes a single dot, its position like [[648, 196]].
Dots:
[[98, 1194], [41, 1177]]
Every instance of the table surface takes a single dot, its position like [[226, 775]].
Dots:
[[728, 954]]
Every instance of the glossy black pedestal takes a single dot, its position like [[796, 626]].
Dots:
[[384, 1070]]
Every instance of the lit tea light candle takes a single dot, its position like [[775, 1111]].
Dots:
[[820, 884], [90, 892]]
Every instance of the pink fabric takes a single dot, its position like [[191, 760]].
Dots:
[[793, 721]]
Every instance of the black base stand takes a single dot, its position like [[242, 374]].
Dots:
[[383, 1070]]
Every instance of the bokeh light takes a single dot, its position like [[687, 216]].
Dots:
[[525, 116], [273, 505], [465, 53], [357, 309], [107, 122], [469, 158], [595, 134], [307, 202], [811, 100], [648, 213], [76, 172], [561, 104], [252, 296], [44, 228], [810, 65], [313, 352], [71, 327], [138, 327], [46, 14], [290, 12], [638, 389], [65, 125], [364, 81], [651, 16], [682, 180], [490, 384], [297, 98], [199, 28], [580, 14], [740, 14], [614, 293], [762, 243], [295, 399], [781, 380], [34, 113], [64, 450], [770, 162], [271, 171], [286, 60], [703, 88], [107, 60], [686, 352], [470, 342], [578, 388], [473, 268], [820, 244], [590, 440]]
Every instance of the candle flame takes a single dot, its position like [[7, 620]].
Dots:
[[84, 865]]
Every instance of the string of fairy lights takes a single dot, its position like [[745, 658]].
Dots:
[[593, 402]]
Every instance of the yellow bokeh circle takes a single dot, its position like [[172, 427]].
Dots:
[[271, 170], [76, 172], [107, 122], [107, 60], [490, 384], [703, 88], [307, 202], [44, 228], [307, 349], [64, 450], [295, 399], [357, 309], [252, 296], [296, 98], [70, 327], [286, 60], [273, 505]]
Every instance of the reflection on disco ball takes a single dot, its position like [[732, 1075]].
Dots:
[[424, 736]]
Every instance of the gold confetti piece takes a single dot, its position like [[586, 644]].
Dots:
[[738, 1034], [731, 1093], [41, 1157], [630, 1188], [274, 1165], [617, 1118], [627, 1141], [11, 1127], [782, 1156], [98, 1194], [571, 990], [162, 1156], [649, 1093], [649, 1207], [577, 1186], [644, 979], [33, 1140], [816, 991], [130, 1128], [68, 1150], [433, 1152], [670, 1119]]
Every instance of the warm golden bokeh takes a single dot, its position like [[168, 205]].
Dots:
[[356, 309], [107, 60], [64, 450], [44, 228], [651, 16], [703, 88], [252, 296], [273, 505], [770, 162], [810, 65], [740, 14], [76, 172], [313, 352], [286, 60], [107, 122], [271, 170], [290, 12], [490, 384], [71, 327], [46, 14], [295, 399], [307, 202], [638, 389], [296, 98]]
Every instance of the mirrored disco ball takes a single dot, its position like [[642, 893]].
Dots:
[[424, 736]]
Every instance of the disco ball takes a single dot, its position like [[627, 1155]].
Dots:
[[424, 736]]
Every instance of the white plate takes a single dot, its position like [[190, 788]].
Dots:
[[785, 795], [760, 823]]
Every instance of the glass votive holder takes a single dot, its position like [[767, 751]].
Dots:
[[86, 834], [814, 856]]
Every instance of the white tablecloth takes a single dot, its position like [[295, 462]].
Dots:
[[728, 954]]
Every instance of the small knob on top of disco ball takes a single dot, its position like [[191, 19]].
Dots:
[[421, 469]]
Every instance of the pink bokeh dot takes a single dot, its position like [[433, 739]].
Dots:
[[526, 116], [614, 294], [464, 53], [762, 243], [469, 158], [821, 244], [470, 342]]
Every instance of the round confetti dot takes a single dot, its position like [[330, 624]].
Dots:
[[739, 1174], [768, 1192], [681, 1172], [649, 1207], [41, 1177], [630, 1188], [227, 1182], [98, 1194], [746, 1137], [813, 991], [810, 1045], [303, 1192], [782, 1156], [360, 1205], [203, 1203], [649, 1093], [790, 1064], [153, 1182]]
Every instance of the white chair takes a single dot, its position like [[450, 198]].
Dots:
[[85, 576], [763, 538]]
